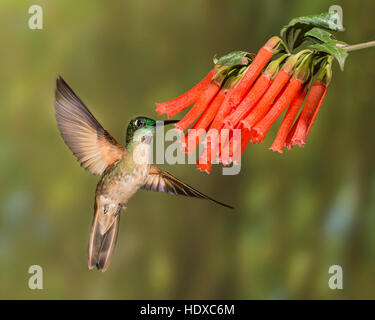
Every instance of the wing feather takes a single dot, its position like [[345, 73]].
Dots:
[[93, 146], [162, 181]]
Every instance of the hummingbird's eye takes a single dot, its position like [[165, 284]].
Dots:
[[139, 123]]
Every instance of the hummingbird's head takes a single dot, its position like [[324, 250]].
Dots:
[[141, 129]]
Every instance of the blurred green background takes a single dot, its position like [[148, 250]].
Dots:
[[296, 214]]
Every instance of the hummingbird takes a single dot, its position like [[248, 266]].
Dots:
[[122, 170]]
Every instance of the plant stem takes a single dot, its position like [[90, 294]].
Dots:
[[358, 46]]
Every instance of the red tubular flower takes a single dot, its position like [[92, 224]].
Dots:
[[255, 93], [213, 132], [259, 131], [201, 105], [314, 100], [204, 166], [288, 141], [217, 124], [316, 111], [188, 138], [222, 112], [192, 138], [226, 146], [211, 147], [212, 140], [240, 144], [301, 75], [260, 61], [185, 100], [281, 137], [265, 102]]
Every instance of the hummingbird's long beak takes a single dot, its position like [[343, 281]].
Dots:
[[166, 122]]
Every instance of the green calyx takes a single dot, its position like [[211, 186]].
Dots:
[[221, 73], [233, 77], [323, 70], [275, 65], [303, 67], [230, 65], [294, 60], [277, 45]]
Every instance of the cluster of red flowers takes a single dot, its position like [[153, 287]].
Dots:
[[246, 94]]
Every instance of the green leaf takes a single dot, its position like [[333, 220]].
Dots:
[[321, 36], [236, 58], [294, 31], [331, 48]]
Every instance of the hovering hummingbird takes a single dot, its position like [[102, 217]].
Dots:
[[121, 173]]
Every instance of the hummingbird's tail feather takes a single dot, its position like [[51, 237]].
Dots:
[[103, 235], [107, 246]]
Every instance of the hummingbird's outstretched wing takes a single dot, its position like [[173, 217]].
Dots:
[[93, 146], [162, 181]]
